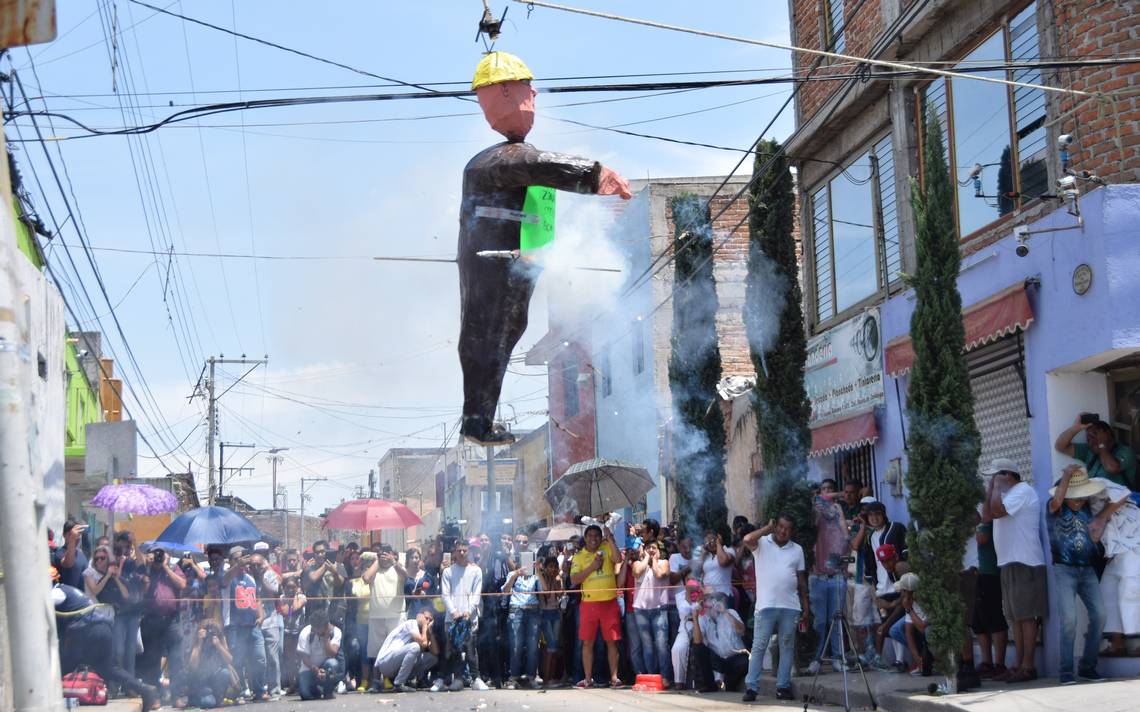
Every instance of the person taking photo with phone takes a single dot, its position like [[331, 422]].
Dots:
[[1101, 455]]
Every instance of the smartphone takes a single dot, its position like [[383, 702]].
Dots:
[[1089, 418], [446, 559], [526, 560]]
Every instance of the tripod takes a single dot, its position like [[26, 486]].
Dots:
[[845, 630]]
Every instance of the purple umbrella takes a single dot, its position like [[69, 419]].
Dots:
[[135, 499]]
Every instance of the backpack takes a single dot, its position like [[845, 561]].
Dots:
[[86, 686]]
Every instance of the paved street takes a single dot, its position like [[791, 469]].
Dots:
[[529, 701]]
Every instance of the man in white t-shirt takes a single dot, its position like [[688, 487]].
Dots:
[[781, 601], [322, 663], [410, 650], [1015, 510]]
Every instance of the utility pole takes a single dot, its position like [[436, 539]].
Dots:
[[491, 508], [222, 462], [212, 412], [372, 484], [311, 480], [273, 459], [30, 633], [211, 431]]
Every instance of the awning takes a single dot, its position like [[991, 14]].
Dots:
[[996, 316], [846, 434]]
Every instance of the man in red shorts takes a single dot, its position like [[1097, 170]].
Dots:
[[595, 569]]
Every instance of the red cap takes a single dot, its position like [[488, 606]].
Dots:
[[886, 551]]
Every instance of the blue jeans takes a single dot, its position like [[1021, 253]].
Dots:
[[632, 633], [653, 626], [783, 622], [550, 622], [247, 645], [828, 595], [523, 624], [126, 640], [311, 689], [1072, 582]]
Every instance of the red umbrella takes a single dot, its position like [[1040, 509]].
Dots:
[[368, 515]]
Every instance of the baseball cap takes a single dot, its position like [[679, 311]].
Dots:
[[237, 551], [868, 500], [885, 552], [261, 546], [1002, 464], [907, 582]]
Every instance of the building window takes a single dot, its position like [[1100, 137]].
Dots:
[[994, 134], [638, 346], [833, 23], [604, 371], [500, 497], [570, 387], [856, 466], [855, 232]]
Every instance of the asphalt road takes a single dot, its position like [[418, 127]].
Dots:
[[526, 701]]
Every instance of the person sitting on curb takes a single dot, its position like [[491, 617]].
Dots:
[[907, 624]]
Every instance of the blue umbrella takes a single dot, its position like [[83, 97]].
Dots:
[[210, 525]]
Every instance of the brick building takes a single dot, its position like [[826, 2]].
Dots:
[[618, 363], [1049, 253]]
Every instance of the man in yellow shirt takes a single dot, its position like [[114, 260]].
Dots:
[[595, 569]]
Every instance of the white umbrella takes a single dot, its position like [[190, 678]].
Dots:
[[598, 486]]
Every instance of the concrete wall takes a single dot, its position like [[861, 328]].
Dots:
[[529, 505], [44, 379]]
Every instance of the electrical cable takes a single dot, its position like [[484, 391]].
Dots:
[[805, 50]]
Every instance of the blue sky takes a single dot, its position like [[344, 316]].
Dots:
[[362, 354]]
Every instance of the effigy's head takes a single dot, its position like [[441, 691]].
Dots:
[[502, 84]]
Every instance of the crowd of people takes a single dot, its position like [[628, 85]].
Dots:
[[705, 613]]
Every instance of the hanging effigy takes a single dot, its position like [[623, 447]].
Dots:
[[508, 210]]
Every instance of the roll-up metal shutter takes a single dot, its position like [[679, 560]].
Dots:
[[997, 380]]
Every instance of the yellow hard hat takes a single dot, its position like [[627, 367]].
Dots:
[[499, 67]]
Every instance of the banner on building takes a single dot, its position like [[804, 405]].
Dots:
[[844, 370]]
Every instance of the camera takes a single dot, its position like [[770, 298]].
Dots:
[[835, 561], [1065, 140], [1022, 249], [1089, 418], [159, 556]]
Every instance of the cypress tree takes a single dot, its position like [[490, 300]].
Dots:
[[774, 322], [694, 370], [943, 445]]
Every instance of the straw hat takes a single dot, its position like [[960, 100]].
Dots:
[[1080, 486]]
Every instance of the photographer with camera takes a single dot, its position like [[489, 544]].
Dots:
[[323, 577], [718, 643], [828, 580], [69, 559], [211, 673], [161, 631]]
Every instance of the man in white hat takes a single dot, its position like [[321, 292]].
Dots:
[[1073, 535], [1015, 511]]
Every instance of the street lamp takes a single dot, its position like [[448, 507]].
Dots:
[[273, 459]]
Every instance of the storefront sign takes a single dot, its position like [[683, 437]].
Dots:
[[844, 371]]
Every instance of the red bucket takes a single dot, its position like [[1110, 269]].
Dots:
[[649, 683]]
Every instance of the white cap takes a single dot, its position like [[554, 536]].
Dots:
[[261, 546], [868, 500], [1002, 464]]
